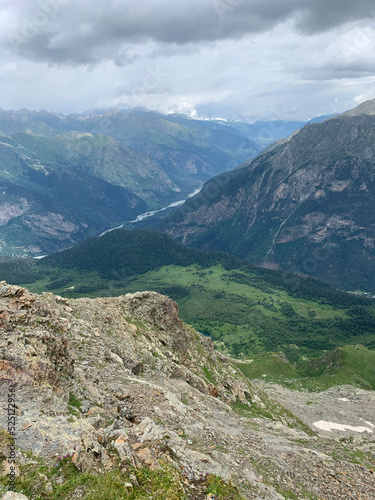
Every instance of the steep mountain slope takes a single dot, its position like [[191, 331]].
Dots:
[[188, 151], [366, 108], [99, 156], [118, 398], [306, 204], [46, 206]]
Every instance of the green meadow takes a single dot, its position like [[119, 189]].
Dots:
[[246, 310], [349, 365]]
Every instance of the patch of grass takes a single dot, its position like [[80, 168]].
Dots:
[[74, 405], [136, 323], [62, 481], [345, 450], [348, 365], [268, 365], [267, 408], [209, 375], [250, 411], [221, 489]]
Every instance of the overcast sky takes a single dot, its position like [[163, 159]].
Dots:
[[234, 59]]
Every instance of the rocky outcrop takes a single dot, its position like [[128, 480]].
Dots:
[[115, 383]]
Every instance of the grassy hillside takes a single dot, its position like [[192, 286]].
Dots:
[[354, 365], [245, 309]]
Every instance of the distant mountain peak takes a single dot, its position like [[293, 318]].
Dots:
[[366, 108]]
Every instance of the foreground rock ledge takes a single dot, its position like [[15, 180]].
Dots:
[[118, 380]]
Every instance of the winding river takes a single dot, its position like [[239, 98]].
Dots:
[[146, 215]]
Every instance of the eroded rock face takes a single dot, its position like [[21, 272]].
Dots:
[[33, 350], [304, 205], [116, 380]]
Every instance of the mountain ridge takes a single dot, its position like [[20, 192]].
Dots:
[[146, 161], [303, 205]]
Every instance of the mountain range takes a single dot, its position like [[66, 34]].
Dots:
[[65, 178], [306, 204], [132, 161], [160, 157], [268, 391]]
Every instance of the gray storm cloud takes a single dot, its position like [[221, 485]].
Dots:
[[237, 59], [88, 32]]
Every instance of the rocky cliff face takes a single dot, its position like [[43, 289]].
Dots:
[[306, 204], [121, 384]]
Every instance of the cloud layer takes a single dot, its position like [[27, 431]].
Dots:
[[63, 31], [241, 58]]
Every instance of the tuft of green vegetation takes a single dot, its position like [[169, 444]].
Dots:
[[266, 408], [74, 405], [344, 450], [209, 375], [221, 489]]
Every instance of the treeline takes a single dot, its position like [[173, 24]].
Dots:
[[16, 271], [132, 253], [120, 254], [297, 286]]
